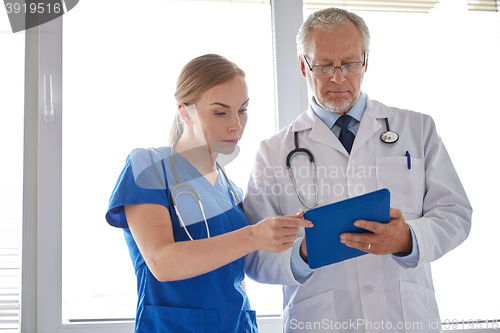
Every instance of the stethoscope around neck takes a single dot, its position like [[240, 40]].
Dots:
[[289, 168], [387, 137], [190, 190]]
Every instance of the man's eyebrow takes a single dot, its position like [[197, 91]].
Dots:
[[345, 60], [324, 60]]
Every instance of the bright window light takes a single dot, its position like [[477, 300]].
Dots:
[[118, 95]]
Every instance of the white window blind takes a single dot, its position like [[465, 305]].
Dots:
[[484, 5], [10, 221], [414, 6]]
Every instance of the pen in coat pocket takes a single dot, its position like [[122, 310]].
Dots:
[[408, 159]]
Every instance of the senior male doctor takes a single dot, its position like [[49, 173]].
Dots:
[[390, 288]]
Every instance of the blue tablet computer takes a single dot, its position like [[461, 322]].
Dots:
[[323, 240]]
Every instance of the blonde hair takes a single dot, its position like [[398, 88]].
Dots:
[[197, 76]]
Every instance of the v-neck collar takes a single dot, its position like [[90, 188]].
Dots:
[[219, 187]]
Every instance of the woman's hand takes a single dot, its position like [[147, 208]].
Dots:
[[276, 234], [169, 260]]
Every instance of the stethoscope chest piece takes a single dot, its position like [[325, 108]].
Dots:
[[389, 136]]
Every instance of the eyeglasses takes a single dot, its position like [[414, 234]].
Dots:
[[351, 68]]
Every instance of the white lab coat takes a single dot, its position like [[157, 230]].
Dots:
[[371, 293]]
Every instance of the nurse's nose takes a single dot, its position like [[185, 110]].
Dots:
[[235, 123], [337, 75]]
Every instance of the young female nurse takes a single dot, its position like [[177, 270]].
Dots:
[[189, 257]]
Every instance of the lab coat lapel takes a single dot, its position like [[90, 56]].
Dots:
[[368, 126], [370, 123], [319, 131]]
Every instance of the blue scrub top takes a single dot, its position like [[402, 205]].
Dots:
[[211, 302]]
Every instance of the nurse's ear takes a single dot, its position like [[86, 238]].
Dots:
[[183, 110]]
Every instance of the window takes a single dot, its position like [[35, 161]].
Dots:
[[11, 173], [118, 95]]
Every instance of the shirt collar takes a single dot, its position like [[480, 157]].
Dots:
[[329, 117]]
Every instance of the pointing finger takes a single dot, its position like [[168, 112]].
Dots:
[[300, 223], [293, 221]]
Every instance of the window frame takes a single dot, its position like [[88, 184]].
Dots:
[[41, 295]]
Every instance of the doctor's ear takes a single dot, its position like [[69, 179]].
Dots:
[[184, 114], [366, 63], [302, 66]]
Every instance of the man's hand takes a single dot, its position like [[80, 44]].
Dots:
[[387, 238]]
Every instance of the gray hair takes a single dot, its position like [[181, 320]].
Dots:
[[330, 19]]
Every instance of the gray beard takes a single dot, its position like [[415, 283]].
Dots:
[[338, 109]]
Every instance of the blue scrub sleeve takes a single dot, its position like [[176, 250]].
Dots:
[[128, 192]]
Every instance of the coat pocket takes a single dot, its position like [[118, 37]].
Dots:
[[311, 315], [420, 311], [164, 319], [407, 186]]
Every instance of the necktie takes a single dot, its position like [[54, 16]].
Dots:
[[346, 137]]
